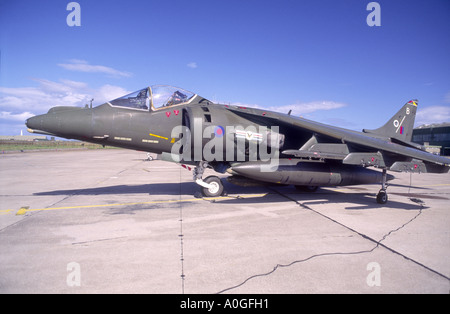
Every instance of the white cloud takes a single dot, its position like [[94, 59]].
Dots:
[[15, 117], [84, 66], [433, 114], [23, 91], [192, 65], [18, 104], [109, 92], [38, 99]]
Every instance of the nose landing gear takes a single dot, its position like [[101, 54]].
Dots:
[[212, 186]]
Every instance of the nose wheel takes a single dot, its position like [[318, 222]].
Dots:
[[215, 187]]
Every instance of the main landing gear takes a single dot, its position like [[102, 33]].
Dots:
[[212, 186], [382, 196]]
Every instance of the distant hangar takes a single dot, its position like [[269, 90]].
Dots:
[[435, 137]]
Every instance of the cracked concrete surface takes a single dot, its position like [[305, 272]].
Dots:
[[133, 226]]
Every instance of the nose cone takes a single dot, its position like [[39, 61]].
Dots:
[[68, 122], [43, 124], [34, 123]]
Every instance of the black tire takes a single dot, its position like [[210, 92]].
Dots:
[[306, 188], [382, 197], [217, 189]]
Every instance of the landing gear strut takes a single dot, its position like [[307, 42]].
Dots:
[[212, 186], [382, 196]]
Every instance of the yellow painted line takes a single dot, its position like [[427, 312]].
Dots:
[[158, 136], [5, 211], [25, 210], [111, 205]]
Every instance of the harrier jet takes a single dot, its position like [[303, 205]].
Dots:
[[250, 144]]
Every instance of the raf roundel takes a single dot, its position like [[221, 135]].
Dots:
[[219, 131]]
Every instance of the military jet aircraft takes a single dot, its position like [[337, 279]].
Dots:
[[255, 145]]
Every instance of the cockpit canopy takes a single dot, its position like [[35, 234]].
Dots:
[[154, 97]]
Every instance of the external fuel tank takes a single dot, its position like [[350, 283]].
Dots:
[[306, 172]]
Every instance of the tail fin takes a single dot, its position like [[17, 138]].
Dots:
[[401, 125]]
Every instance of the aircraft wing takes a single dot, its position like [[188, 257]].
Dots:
[[352, 147], [382, 150]]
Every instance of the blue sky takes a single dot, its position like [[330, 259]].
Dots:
[[317, 57]]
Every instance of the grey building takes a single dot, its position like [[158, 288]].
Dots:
[[435, 137]]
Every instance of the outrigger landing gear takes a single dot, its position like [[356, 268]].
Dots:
[[382, 196], [212, 186]]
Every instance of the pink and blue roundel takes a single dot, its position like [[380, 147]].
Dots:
[[219, 131]]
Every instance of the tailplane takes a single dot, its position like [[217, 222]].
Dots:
[[400, 126]]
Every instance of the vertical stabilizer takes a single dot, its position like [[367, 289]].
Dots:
[[401, 125]]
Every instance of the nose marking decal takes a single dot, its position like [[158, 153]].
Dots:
[[158, 136]]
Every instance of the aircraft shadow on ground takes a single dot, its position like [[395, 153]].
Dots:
[[361, 199], [364, 198], [151, 188]]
